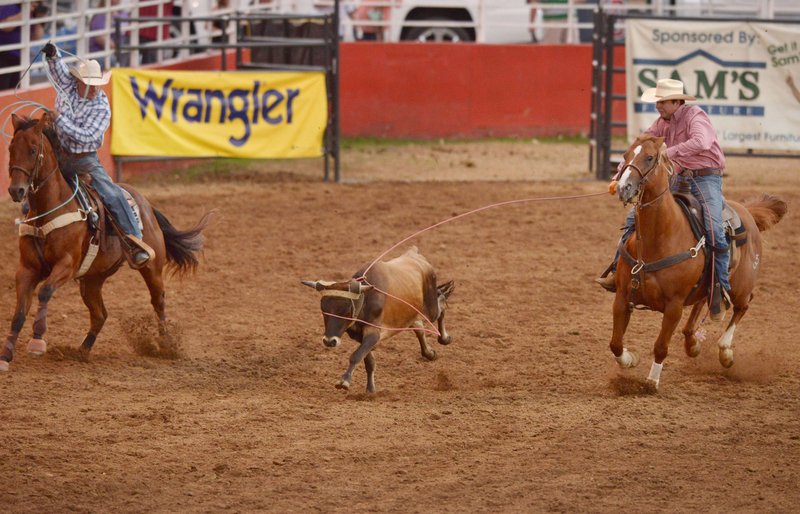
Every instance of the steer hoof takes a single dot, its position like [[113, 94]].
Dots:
[[37, 347], [343, 384], [445, 340], [4, 365]]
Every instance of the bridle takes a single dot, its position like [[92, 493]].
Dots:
[[643, 178], [33, 175]]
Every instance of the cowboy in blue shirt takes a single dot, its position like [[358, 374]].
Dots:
[[82, 117]]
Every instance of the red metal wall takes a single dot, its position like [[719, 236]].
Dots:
[[412, 90], [428, 90]]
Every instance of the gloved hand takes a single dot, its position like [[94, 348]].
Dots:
[[612, 187], [49, 50]]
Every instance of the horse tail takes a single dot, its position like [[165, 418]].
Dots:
[[767, 210], [182, 245]]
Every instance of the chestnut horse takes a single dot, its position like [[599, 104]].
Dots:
[[55, 239], [663, 232]]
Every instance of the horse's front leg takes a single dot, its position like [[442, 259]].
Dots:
[[690, 343], [92, 294], [26, 280], [622, 316], [672, 316], [58, 276]]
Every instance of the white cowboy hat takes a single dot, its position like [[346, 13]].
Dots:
[[666, 89], [89, 73]]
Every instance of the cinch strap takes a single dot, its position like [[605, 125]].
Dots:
[[61, 221], [91, 253]]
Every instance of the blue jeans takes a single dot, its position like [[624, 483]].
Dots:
[[110, 193], [708, 190]]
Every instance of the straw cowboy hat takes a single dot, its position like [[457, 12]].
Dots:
[[666, 89], [89, 73]]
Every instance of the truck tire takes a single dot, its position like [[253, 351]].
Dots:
[[438, 34]]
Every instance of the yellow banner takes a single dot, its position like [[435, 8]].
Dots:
[[218, 114]]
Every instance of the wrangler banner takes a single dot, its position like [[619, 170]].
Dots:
[[218, 114], [745, 75]]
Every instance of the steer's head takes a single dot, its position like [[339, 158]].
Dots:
[[341, 305]]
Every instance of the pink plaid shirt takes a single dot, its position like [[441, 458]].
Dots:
[[691, 139]]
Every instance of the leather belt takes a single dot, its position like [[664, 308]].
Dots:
[[703, 172]]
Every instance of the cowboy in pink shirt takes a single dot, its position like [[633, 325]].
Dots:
[[692, 145]]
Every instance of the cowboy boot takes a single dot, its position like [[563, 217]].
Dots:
[[141, 252], [608, 282]]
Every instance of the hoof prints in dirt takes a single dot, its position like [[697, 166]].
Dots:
[[144, 339]]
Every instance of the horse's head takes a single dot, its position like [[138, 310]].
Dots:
[[644, 162], [30, 156]]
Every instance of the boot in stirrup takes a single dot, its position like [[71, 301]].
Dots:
[[608, 282], [141, 252]]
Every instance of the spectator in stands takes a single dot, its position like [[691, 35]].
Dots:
[[549, 17], [102, 22], [150, 34], [375, 11], [13, 35]]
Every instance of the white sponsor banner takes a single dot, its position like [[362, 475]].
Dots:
[[745, 75]]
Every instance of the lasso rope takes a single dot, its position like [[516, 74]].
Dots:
[[434, 330], [36, 106]]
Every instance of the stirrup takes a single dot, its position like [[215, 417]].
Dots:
[[135, 246]]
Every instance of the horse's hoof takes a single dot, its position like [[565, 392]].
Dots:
[[694, 350], [628, 359], [726, 357], [4, 365], [37, 347], [445, 340], [343, 384]]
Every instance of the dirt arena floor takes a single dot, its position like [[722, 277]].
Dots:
[[526, 411]]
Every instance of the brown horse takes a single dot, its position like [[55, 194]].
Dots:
[[665, 250], [56, 244]]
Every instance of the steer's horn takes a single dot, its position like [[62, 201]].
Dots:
[[311, 283], [357, 287]]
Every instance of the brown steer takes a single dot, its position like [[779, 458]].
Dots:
[[391, 298]]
